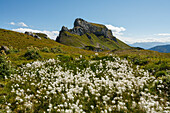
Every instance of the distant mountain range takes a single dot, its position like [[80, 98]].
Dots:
[[147, 45], [162, 48]]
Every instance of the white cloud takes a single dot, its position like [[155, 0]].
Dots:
[[163, 34], [12, 23], [131, 40], [21, 24], [116, 30], [51, 34]]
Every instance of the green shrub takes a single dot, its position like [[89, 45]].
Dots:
[[139, 61], [160, 74], [164, 66], [56, 50], [32, 53], [5, 66], [12, 50], [152, 68], [45, 49]]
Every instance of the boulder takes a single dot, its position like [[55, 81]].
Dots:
[[28, 33], [36, 36], [5, 48], [32, 34], [42, 35], [46, 37]]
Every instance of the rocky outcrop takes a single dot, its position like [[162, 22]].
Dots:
[[87, 35], [4, 48], [32, 34], [82, 27], [42, 35]]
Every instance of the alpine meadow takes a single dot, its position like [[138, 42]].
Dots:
[[89, 67]]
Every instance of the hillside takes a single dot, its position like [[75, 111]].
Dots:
[[162, 48], [19, 43], [90, 36], [22, 41], [49, 80]]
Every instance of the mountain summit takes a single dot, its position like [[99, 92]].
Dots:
[[89, 35]]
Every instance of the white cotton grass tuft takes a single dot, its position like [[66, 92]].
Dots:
[[111, 87]]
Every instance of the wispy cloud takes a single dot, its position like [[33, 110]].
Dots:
[[21, 24], [116, 30], [163, 34], [51, 34], [131, 40], [12, 23]]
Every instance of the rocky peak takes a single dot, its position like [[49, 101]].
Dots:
[[64, 28], [80, 23], [90, 36], [82, 27]]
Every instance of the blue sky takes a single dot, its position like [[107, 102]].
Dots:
[[130, 20]]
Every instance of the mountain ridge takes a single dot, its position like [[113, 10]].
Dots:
[[147, 45], [161, 48], [85, 34]]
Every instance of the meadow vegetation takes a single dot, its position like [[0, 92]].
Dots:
[[90, 39], [102, 84], [45, 76]]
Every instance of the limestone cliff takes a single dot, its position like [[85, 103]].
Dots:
[[88, 34]]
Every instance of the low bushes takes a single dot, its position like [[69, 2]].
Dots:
[[13, 50], [45, 49], [32, 53], [5, 67], [53, 50]]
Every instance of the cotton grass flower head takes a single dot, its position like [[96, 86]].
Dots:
[[102, 85]]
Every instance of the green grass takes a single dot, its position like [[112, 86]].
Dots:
[[98, 25], [152, 61], [21, 41], [148, 59], [158, 64], [42, 35], [81, 41], [84, 68]]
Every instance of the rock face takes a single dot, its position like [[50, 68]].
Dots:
[[43, 35], [32, 34], [88, 34], [83, 27]]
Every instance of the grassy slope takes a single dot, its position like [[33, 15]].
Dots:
[[21, 41], [81, 41], [147, 59]]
